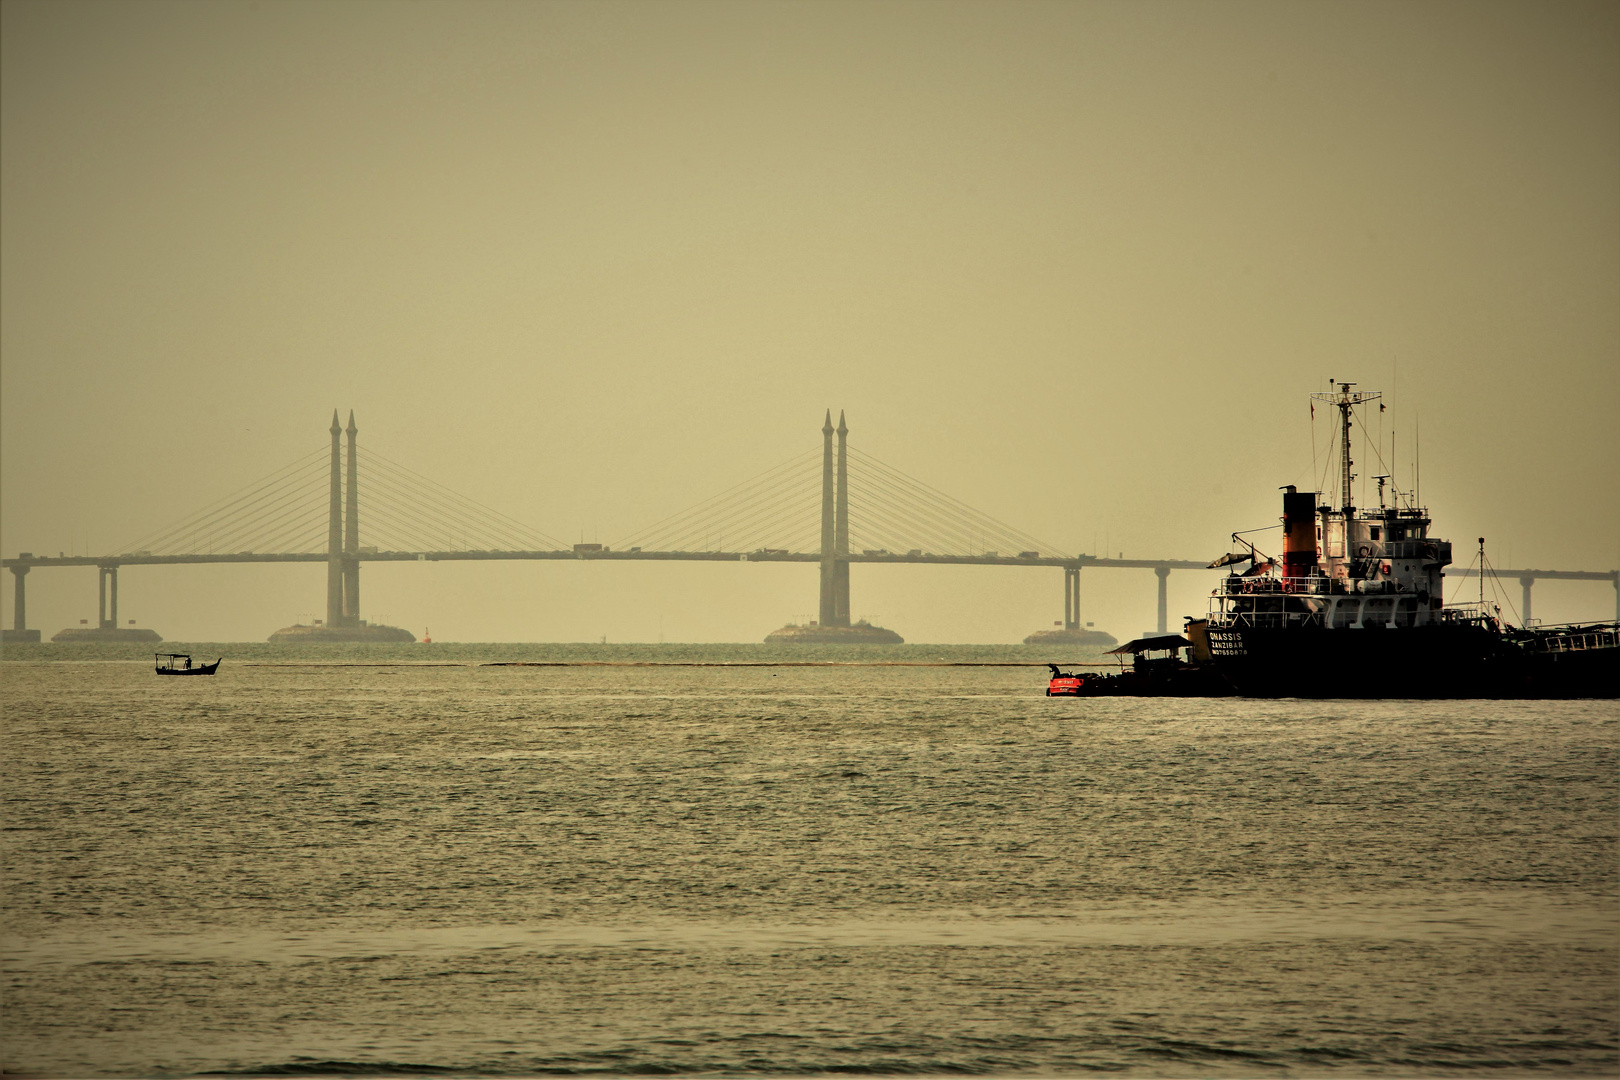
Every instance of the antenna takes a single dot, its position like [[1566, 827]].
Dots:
[[1417, 461], [1381, 477], [1345, 401], [1482, 575]]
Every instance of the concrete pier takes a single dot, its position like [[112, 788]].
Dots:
[[1073, 632], [1071, 598], [19, 633], [19, 601], [106, 628], [107, 580], [1163, 573]]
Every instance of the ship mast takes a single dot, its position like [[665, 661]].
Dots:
[[1345, 401]]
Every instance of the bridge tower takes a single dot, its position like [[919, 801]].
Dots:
[[829, 602], [841, 530], [334, 532], [834, 524], [351, 537]]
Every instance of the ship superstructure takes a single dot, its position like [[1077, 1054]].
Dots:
[[1341, 567]]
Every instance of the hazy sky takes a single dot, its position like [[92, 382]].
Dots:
[[1077, 264]]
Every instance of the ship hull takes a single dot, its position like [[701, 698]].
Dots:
[[1592, 673], [1417, 662]]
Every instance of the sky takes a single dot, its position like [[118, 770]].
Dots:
[[1078, 265]]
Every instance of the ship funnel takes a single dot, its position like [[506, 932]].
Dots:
[[1299, 532]]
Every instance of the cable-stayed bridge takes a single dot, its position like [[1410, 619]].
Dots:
[[834, 506]]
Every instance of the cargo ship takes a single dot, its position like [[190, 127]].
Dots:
[[1354, 607]]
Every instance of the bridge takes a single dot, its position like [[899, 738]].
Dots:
[[1527, 578], [845, 508]]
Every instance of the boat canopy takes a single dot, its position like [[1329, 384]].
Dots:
[[1162, 643]]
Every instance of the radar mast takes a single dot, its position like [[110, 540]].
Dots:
[[1345, 400]]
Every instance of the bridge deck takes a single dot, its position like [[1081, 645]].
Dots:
[[1077, 562], [602, 556]]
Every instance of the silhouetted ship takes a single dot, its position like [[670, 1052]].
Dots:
[[1354, 608]]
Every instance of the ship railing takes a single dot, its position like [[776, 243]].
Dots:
[[1313, 585], [1263, 620], [1578, 639], [1474, 613]]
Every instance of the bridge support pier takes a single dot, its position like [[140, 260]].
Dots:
[[1071, 598], [1525, 583], [19, 601], [1163, 573], [107, 580]]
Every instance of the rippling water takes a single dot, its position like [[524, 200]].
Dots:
[[631, 869]]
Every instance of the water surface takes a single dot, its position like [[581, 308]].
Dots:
[[303, 866]]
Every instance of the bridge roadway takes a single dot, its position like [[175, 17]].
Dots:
[[109, 564], [26, 562], [1072, 562]]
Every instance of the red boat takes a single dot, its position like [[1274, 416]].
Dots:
[[1065, 683]]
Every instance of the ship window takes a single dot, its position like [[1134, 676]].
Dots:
[[1373, 532]]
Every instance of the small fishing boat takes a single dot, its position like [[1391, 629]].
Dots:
[[177, 663]]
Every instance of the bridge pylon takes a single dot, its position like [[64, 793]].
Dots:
[[829, 574], [334, 531], [841, 529], [835, 523], [351, 535]]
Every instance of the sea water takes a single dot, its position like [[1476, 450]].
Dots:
[[346, 861]]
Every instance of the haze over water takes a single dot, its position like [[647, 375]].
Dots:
[[304, 868], [1075, 264]]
